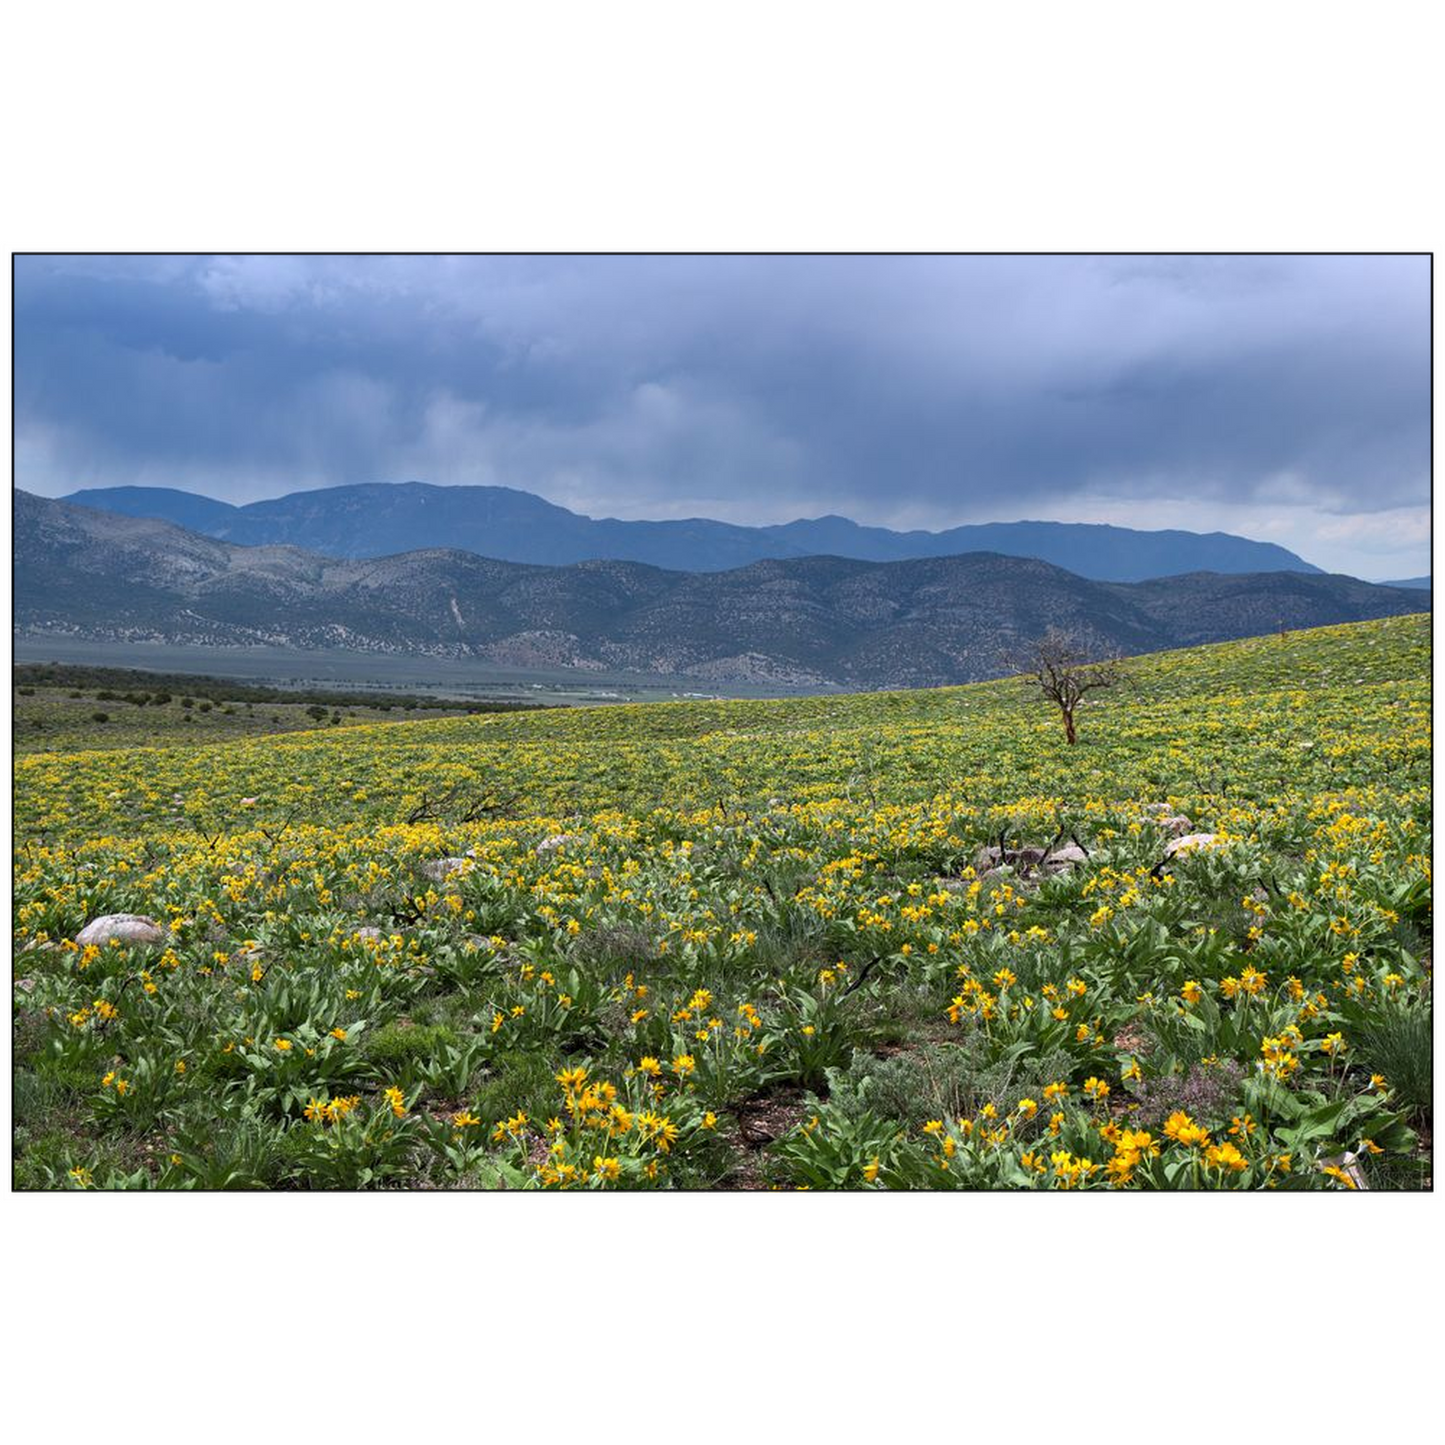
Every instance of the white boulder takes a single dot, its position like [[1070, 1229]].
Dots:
[[132, 929]]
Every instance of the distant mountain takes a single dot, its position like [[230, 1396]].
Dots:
[[185, 509], [381, 519], [83, 573], [1418, 583]]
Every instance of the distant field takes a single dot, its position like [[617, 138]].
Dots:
[[378, 671], [70, 708], [747, 943]]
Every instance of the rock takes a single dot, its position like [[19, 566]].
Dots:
[[439, 868], [557, 840], [25, 985], [368, 931], [991, 857], [1348, 1163], [991, 860], [1161, 815], [132, 929], [1189, 842]]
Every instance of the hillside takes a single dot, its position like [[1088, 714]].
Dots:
[[499, 522], [901, 940], [813, 620]]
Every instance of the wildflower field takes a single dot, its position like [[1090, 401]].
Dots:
[[901, 940]]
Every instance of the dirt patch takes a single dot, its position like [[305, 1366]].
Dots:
[[1133, 1040], [767, 1117], [760, 1121]]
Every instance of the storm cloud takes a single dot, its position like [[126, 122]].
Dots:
[[1285, 398]]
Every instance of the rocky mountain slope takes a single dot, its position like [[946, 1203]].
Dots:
[[86, 573], [381, 519]]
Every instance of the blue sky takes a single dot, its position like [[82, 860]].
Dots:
[[1284, 398]]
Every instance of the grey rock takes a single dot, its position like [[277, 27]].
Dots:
[[1029, 858], [555, 841], [132, 929], [1189, 842], [989, 857], [439, 868]]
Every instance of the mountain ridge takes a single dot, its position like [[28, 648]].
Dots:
[[811, 620], [382, 518]]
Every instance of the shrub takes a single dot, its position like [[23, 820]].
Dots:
[[398, 1045], [940, 1081]]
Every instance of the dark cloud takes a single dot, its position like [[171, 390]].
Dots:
[[1283, 397]]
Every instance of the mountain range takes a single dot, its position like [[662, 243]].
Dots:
[[84, 573], [381, 519]]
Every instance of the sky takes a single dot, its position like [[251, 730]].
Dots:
[[1285, 398]]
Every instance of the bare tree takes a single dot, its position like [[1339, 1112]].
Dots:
[[461, 803], [1060, 666]]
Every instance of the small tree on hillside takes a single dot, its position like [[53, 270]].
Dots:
[[1059, 665]]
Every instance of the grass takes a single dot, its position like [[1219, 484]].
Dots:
[[1398, 1043]]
